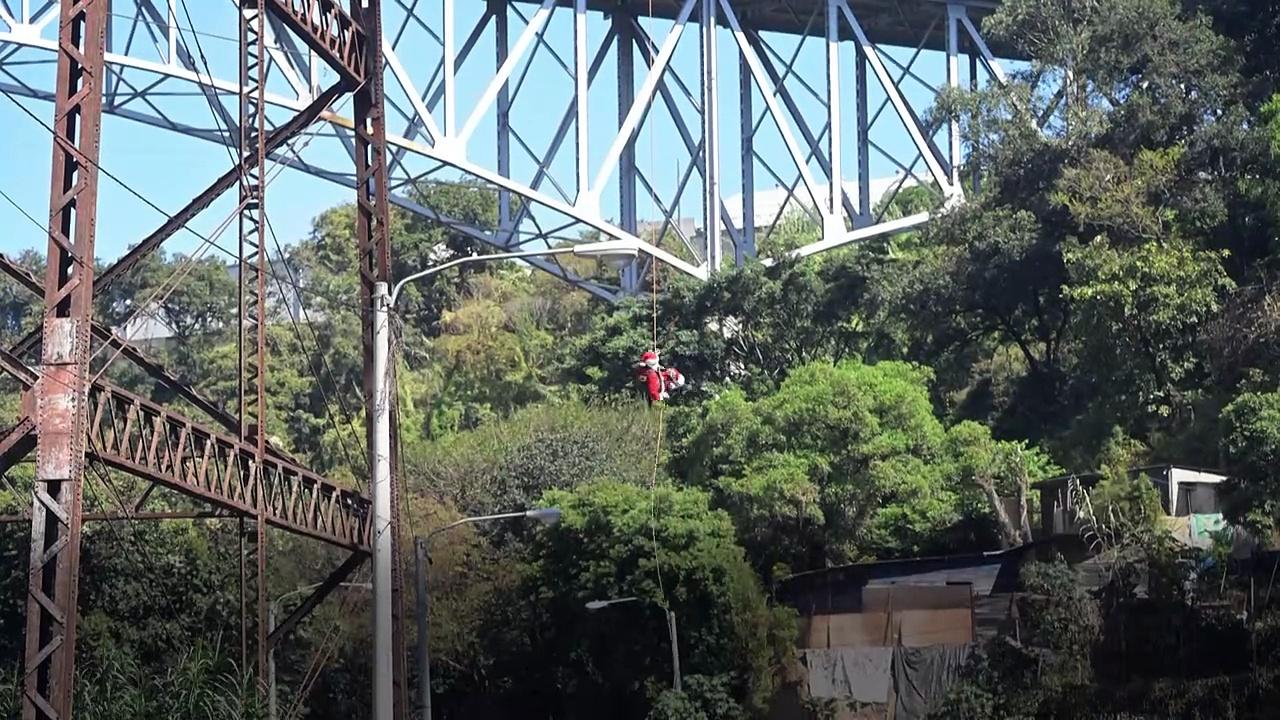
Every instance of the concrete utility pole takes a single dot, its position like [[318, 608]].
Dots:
[[380, 488]]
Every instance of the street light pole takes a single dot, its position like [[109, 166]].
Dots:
[[384, 298], [272, 694], [675, 651], [668, 615], [424, 651], [546, 516], [383, 653]]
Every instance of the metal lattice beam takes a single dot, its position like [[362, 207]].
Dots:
[[329, 31], [143, 439], [49, 679]]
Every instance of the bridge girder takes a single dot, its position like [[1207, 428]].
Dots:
[[490, 133]]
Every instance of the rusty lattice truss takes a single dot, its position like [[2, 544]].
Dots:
[[69, 417]]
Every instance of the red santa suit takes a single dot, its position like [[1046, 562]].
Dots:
[[650, 376], [671, 379], [657, 380]]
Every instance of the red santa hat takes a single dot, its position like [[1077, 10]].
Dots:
[[650, 359]]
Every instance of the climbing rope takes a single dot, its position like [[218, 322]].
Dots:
[[657, 450]]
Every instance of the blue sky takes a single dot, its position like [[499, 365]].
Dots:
[[169, 168]]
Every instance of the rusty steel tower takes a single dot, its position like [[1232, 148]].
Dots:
[[70, 415]]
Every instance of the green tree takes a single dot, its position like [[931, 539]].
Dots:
[[489, 358], [669, 548], [998, 469], [1251, 451], [843, 462], [1141, 313], [747, 327], [19, 309], [510, 463]]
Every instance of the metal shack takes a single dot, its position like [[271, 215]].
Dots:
[[886, 639]]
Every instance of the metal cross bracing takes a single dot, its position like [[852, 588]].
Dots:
[[487, 91], [69, 414]]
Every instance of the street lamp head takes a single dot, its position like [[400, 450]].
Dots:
[[594, 605], [546, 516], [617, 253]]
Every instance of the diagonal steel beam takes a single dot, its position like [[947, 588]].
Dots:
[[16, 443], [276, 138], [154, 369], [814, 143], [673, 108], [331, 583], [329, 31]]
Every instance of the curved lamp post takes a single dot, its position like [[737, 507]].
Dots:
[[272, 613], [614, 251], [595, 605], [546, 516]]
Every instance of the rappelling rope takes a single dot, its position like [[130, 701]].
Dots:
[[657, 450]]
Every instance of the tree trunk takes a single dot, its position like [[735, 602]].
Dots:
[[1009, 534], [1024, 520]]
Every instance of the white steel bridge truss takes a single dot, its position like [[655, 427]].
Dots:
[[516, 97]]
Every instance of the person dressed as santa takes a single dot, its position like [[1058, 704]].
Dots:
[[657, 381]]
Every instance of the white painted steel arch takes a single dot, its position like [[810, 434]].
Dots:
[[440, 98]]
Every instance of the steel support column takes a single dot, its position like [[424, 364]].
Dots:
[[628, 218], [975, 175], [253, 624], [253, 328], [864, 136], [580, 85], [747, 247], [501, 40], [448, 66], [710, 139], [49, 679], [953, 82], [833, 222]]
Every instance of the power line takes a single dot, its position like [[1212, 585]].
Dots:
[[356, 472], [189, 28], [112, 176], [204, 60], [20, 209], [207, 241], [532, 235]]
